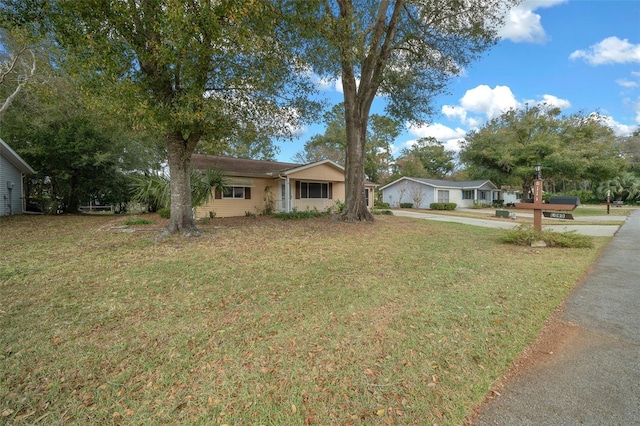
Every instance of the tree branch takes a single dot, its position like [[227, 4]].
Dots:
[[21, 82]]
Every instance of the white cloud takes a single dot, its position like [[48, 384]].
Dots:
[[523, 25], [491, 102], [630, 83], [448, 136], [453, 112], [611, 50], [627, 83], [554, 101], [618, 128], [487, 103]]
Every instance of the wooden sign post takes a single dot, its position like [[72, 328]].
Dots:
[[538, 205]]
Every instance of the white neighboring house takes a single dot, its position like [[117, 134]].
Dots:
[[511, 195], [12, 170], [422, 192]]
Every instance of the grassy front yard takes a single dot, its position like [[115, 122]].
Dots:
[[263, 321]]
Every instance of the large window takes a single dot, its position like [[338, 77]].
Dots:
[[443, 196], [313, 190], [236, 192], [467, 194]]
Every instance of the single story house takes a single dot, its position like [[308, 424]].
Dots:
[[12, 170], [255, 186], [511, 195], [422, 192]]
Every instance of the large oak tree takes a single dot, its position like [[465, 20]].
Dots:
[[405, 50], [573, 150], [193, 69]]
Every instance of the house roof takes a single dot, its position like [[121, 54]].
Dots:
[[241, 166], [13, 158], [469, 184], [256, 168]]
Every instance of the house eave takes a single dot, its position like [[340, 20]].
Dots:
[[14, 158]]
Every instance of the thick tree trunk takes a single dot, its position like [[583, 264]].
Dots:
[[72, 205], [356, 116], [355, 203], [179, 152]]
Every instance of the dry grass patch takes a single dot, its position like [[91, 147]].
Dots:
[[262, 321]]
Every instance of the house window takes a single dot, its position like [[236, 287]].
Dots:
[[237, 192], [482, 195], [443, 196], [467, 195], [313, 190]]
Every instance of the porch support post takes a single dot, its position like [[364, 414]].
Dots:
[[287, 195]]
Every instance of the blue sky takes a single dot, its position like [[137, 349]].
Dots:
[[580, 55]]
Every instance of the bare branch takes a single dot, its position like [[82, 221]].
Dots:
[[22, 80]]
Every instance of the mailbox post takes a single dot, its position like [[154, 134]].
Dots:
[[537, 206], [537, 199]]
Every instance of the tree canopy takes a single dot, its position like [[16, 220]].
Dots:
[[193, 70], [406, 50], [332, 145], [574, 151], [79, 155], [427, 158]]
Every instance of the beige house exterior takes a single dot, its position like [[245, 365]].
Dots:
[[257, 187]]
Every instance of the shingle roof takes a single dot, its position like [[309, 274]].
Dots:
[[452, 184], [469, 184], [254, 168], [240, 166]]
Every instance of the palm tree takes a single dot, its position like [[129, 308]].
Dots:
[[625, 187], [155, 191]]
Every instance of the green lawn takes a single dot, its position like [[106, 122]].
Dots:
[[264, 321], [601, 210]]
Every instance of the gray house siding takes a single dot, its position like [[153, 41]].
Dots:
[[10, 188], [12, 169], [431, 191]]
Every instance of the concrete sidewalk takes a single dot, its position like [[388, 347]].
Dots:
[[592, 374], [591, 230]]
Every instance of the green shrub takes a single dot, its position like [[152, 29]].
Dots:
[[305, 214], [138, 221], [479, 205], [340, 206], [247, 213], [443, 206], [381, 205], [406, 205], [164, 213], [383, 212], [524, 235]]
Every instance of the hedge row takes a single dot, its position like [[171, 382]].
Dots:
[[443, 206]]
